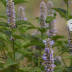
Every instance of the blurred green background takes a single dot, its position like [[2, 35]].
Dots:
[[32, 11]]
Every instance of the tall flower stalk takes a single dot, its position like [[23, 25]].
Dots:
[[21, 13], [48, 56], [53, 31], [11, 14], [11, 20], [43, 13]]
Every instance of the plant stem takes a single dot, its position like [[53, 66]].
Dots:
[[40, 50], [14, 51]]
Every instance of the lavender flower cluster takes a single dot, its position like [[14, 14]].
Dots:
[[53, 31], [21, 14], [48, 56], [49, 7], [11, 14], [43, 13]]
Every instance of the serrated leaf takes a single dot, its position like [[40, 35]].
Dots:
[[23, 22], [9, 62], [62, 12]]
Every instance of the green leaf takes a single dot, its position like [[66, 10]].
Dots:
[[2, 44], [3, 37], [20, 1], [4, 2], [43, 30], [18, 55], [33, 27], [7, 32], [37, 18], [69, 69], [4, 24], [62, 12], [35, 69], [23, 22], [26, 69], [16, 1], [68, 57], [20, 70], [58, 37], [18, 44], [49, 19], [23, 51], [32, 43], [9, 62], [19, 37], [70, 17], [1, 16], [59, 68]]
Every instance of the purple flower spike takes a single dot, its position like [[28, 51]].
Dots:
[[53, 31], [43, 13], [48, 56], [21, 14], [10, 13]]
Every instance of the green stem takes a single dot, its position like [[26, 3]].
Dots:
[[40, 51], [14, 51], [39, 57]]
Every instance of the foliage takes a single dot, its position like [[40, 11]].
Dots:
[[18, 45]]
